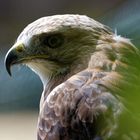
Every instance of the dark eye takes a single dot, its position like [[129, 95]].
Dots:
[[53, 41]]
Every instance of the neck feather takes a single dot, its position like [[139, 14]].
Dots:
[[119, 58]]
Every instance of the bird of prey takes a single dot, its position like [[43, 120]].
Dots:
[[90, 75]]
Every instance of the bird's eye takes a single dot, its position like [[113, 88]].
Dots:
[[53, 41]]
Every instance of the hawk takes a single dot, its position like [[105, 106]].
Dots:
[[90, 77]]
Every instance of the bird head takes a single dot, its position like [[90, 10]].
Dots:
[[55, 45]]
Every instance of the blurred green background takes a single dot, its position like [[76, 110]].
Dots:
[[20, 94]]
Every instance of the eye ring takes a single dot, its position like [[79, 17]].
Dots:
[[53, 41]]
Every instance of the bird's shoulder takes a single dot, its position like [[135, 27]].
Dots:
[[80, 98]]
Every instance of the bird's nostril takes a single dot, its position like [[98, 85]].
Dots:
[[20, 48]]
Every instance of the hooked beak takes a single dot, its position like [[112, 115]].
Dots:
[[12, 56]]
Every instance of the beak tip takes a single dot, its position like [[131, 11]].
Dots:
[[9, 72], [8, 68], [8, 63], [10, 59]]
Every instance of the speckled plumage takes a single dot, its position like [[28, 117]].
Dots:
[[87, 80]]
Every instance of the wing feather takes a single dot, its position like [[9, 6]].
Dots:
[[76, 105]]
